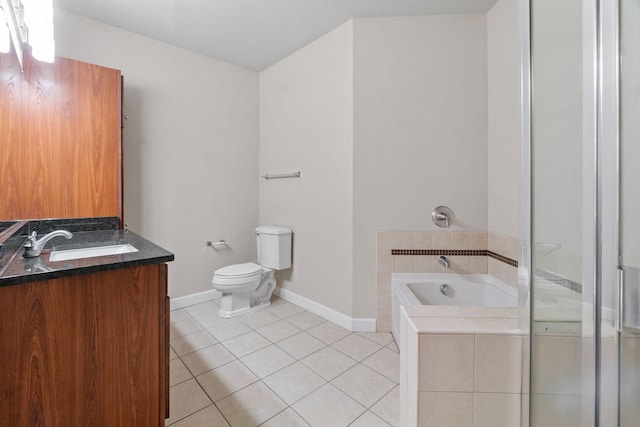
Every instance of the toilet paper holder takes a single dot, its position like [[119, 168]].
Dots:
[[218, 244]]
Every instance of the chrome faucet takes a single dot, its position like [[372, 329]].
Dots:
[[443, 261], [33, 247]]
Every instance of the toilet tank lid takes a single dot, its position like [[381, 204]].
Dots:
[[273, 230]]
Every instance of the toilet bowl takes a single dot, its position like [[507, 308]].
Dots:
[[244, 287], [248, 286]]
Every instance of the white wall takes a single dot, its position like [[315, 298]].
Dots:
[[420, 131], [306, 109], [190, 146], [387, 119], [503, 60]]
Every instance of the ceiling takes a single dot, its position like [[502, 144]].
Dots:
[[251, 33]]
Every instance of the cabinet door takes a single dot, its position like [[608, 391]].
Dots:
[[167, 323], [61, 139], [85, 350]]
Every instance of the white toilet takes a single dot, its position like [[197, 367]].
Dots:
[[248, 286]]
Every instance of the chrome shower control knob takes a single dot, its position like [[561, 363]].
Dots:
[[442, 216]]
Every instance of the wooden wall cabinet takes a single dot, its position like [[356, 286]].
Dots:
[[86, 350], [61, 139]]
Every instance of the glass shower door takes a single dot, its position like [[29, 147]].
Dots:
[[562, 231], [585, 213], [629, 208]]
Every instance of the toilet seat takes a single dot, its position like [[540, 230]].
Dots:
[[246, 269], [237, 274]]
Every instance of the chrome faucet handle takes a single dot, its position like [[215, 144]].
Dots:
[[31, 240], [442, 216], [33, 247]]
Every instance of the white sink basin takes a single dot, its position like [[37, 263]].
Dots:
[[69, 254]]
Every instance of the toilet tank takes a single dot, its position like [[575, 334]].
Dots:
[[274, 246]]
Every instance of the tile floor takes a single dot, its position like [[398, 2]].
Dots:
[[280, 366]]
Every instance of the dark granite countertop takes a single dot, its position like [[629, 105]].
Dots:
[[15, 269]]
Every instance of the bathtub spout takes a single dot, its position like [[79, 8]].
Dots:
[[443, 261]]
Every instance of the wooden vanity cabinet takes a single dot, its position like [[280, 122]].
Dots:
[[86, 350], [61, 139]]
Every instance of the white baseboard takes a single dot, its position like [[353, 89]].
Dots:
[[200, 297], [355, 325]]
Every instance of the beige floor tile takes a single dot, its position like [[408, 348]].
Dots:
[[356, 347], [178, 315], [294, 382], [184, 327], [368, 419], [328, 363], [172, 354], [275, 301], [305, 320], [385, 362], [328, 406], [193, 342], [207, 346], [286, 418], [258, 319], [185, 399], [207, 359], [207, 417], [178, 372], [285, 309], [251, 406], [382, 338], [328, 332], [227, 330], [211, 319], [246, 344], [393, 346], [301, 345], [268, 360], [363, 384], [278, 331], [202, 309], [226, 380], [388, 408]]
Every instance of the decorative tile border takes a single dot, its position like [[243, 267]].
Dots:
[[506, 260], [450, 252], [558, 280], [454, 252]]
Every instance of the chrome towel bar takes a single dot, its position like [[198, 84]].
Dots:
[[281, 175]]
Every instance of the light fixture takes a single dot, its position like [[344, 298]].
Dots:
[[29, 22], [38, 18]]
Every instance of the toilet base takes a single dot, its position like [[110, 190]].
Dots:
[[240, 302], [228, 313]]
